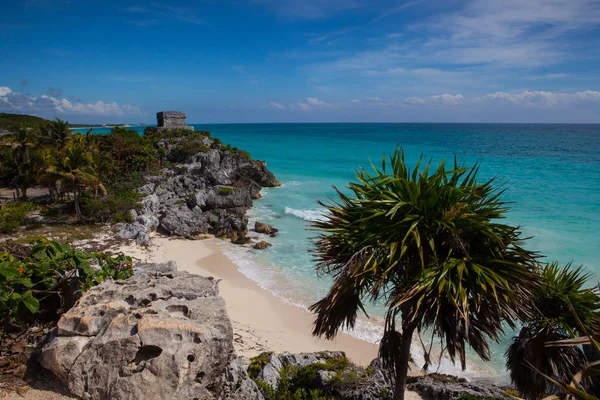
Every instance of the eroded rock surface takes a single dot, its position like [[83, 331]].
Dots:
[[207, 192], [162, 334], [447, 387]]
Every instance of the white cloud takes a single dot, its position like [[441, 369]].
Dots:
[[310, 104], [541, 99], [275, 105], [313, 101], [12, 101], [467, 47], [299, 106], [4, 90], [446, 99], [517, 33]]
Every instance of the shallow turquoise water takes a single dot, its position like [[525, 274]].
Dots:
[[551, 172]]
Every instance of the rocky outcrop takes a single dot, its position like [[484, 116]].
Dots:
[[261, 227], [208, 191], [447, 387], [262, 245], [329, 372], [161, 334]]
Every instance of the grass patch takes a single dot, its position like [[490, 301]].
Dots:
[[224, 190]]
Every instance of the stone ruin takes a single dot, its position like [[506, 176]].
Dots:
[[172, 120]]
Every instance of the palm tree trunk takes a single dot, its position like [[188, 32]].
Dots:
[[402, 359], [76, 202]]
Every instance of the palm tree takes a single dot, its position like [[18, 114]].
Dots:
[[565, 309], [74, 171], [21, 143], [60, 132], [428, 246]]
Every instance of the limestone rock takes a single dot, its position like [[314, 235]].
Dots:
[[161, 334], [262, 245], [140, 233], [277, 361], [235, 383], [261, 227], [446, 387], [342, 381], [208, 193], [185, 222]]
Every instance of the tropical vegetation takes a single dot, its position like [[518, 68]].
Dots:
[[428, 243], [38, 286], [565, 307], [95, 176]]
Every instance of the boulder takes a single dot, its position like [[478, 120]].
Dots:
[[136, 231], [222, 197], [185, 222], [262, 245], [161, 334], [261, 227]]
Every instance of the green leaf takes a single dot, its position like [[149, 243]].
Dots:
[[30, 302]]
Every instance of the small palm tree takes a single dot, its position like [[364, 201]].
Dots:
[[430, 247], [22, 142], [564, 309], [74, 171], [59, 132]]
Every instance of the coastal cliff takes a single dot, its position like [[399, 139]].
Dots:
[[208, 190]]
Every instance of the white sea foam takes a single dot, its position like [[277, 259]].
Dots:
[[314, 214]]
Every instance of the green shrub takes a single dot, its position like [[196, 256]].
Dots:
[[257, 364], [186, 149], [303, 382], [107, 209], [37, 284], [225, 190], [244, 154], [12, 215]]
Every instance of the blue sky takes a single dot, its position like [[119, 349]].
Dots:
[[302, 60]]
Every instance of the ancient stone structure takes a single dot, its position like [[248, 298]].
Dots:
[[172, 120]]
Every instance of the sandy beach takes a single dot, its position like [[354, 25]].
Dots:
[[261, 321]]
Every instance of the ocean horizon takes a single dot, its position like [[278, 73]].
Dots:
[[550, 174]]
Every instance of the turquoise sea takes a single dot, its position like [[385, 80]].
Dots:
[[551, 175]]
